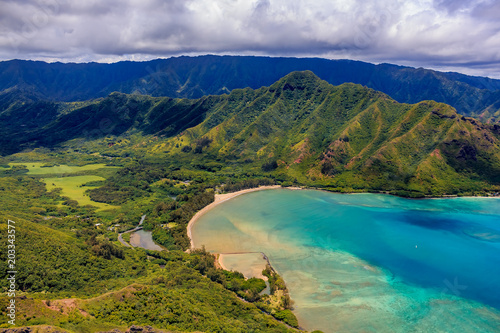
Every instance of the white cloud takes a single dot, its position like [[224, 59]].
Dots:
[[438, 33]]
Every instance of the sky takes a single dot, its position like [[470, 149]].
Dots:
[[447, 35]]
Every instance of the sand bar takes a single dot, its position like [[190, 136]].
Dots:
[[250, 264], [220, 198]]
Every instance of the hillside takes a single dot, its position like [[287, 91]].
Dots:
[[166, 157], [76, 277], [352, 136], [345, 136], [50, 123], [194, 77], [58, 267]]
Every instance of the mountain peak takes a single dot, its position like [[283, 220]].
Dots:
[[299, 80]]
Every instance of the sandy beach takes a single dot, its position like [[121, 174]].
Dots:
[[220, 198], [251, 264]]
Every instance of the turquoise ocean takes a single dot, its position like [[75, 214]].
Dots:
[[370, 262]]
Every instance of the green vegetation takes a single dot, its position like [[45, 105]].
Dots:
[[69, 254], [175, 298], [88, 263], [304, 131], [72, 187], [300, 130], [238, 185], [43, 168], [168, 159], [278, 303], [71, 82], [64, 265], [126, 237], [288, 317], [182, 300], [249, 289]]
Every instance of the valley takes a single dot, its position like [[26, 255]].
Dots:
[[85, 172]]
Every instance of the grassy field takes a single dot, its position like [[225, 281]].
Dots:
[[71, 187], [35, 168]]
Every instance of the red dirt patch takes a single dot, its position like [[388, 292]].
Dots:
[[436, 153]]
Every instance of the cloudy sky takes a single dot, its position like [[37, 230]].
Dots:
[[458, 35]]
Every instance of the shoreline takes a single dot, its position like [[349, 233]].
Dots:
[[218, 261], [224, 197], [220, 198], [444, 196], [219, 258]]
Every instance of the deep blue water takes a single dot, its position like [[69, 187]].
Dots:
[[368, 262]]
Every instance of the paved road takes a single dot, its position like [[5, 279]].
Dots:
[[120, 238]]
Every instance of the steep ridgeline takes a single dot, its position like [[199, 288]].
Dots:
[[194, 77], [345, 136], [351, 136], [48, 124]]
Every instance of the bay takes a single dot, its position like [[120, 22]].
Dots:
[[370, 262]]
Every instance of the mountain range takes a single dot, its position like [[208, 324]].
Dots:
[[170, 154], [346, 136], [351, 136], [194, 77]]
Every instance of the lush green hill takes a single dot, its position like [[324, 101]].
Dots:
[[75, 276], [53, 261], [57, 267], [345, 136], [351, 136], [49, 123], [194, 77], [173, 153]]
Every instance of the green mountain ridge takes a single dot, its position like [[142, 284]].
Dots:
[[194, 77], [171, 156], [346, 136], [351, 134]]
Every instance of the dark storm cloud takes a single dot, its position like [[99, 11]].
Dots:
[[434, 33]]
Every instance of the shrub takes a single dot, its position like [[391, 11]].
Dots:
[[186, 149], [288, 317], [269, 166]]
